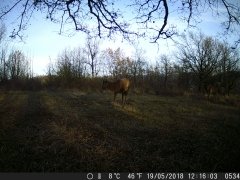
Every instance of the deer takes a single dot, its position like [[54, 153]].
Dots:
[[118, 86], [211, 90], [214, 89]]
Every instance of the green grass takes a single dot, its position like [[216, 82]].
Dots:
[[72, 131]]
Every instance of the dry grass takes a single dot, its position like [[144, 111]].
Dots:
[[72, 131]]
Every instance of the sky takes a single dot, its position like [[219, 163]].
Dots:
[[43, 43]]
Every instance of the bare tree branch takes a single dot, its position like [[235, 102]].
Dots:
[[149, 18], [161, 31], [10, 9], [231, 17]]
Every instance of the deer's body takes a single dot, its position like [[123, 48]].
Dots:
[[212, 90], [119, 86]]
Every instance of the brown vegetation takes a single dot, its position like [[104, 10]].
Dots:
[[74, 131]]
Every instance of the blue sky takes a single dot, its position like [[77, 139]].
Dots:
[[42, 41]]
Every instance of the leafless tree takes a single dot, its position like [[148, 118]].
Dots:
[[3, 53], [138, 67], [92, 51], [144, 18], [200, 55], [18, 66], [2, 31], [70, 64], [79, 62], [3, 68], [166, 69], [118, 65], [228, 68]]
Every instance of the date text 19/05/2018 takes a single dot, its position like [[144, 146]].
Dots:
[[192, 176], [188, 176], [163, 176], [173, 176]]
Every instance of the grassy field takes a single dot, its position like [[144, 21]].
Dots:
[[72, 131]]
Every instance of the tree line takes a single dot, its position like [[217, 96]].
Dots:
[[198, 61], [14, 64]]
